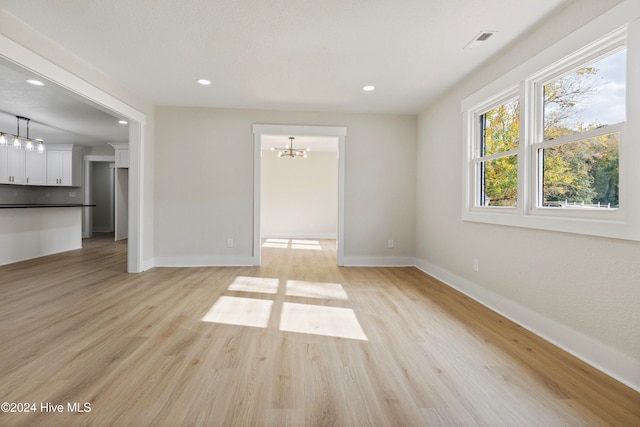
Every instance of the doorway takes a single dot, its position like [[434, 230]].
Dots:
[[102, 196], [262, 135], [107, 187]]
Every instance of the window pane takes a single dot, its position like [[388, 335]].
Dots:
[[499, 181], [588, 98], [582, 174], [500, 128]]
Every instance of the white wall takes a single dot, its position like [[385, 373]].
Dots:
[[204, 183], [299, 196], [582, 292]]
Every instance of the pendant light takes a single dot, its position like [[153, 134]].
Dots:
[[16, 140], [290, 151], [30, 145]]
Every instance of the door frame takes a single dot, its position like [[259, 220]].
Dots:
[[259, 130]]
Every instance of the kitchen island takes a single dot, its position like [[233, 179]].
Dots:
[[34, 230]]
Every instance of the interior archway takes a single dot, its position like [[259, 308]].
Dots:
[[25, 58]]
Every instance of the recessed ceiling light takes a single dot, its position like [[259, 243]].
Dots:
[[35, 82], [368, 88], [123, 122], [204, 82]]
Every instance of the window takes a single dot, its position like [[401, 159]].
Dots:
[[497, 150], [548, 150], [583, 112]]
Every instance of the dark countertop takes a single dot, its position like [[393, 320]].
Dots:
[[49, 205]]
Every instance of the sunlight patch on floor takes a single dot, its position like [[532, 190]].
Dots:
[[255, 284], [275, 245], [240, 311], [312, 245], [301, 288], [321, 320], [306, 244], [306, 247], [299, 306]]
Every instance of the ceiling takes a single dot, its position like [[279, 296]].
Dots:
[[297, 55], [57, 116]]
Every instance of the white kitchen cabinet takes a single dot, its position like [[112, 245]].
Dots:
[[122, 158], [4, 165], [15, 166], [64, 163], [35, 167], [11, 165], [122, 154]]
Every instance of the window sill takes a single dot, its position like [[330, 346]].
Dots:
[[611, 228]]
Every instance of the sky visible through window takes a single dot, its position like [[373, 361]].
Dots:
[[607, 106], [600, 98]]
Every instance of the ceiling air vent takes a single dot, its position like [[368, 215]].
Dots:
[[480, 38]]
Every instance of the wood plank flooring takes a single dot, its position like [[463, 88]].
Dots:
[[295, 342]]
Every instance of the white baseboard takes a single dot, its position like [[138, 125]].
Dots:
[[299, 236], [202, 261], [378, 261], [148, 264], [612, 362]]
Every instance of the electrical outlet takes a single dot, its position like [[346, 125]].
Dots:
[[390, 244], [229, 243], [476, 264], [73, 194]]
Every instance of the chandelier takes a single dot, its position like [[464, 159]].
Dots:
[[29, 144], [290, 151]]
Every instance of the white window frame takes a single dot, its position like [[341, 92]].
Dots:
[[477, 159], [602, 48], [611, 31]]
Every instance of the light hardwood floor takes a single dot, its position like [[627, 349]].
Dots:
[[295, 342]]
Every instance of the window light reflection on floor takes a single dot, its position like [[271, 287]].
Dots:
[[306, 247], [240, 311], [301, 318], [312, 245], [301, 288], [254, 284], [306, 244], [275, 245], [321, 320]]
